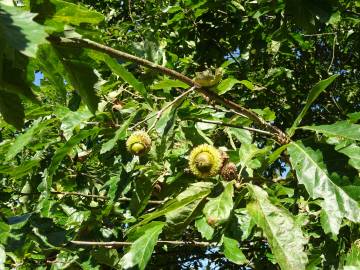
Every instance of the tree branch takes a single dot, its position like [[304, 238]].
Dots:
[[161, 242], [279, 135], [230, 125], [122, 199]]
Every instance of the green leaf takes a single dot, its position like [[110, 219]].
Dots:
[[312, 173], [24, 139], [352, 151], [195, 192], [52, 69], [23, 169], [141, 250], [2, 258], [19, 31], [167, 84], [204, 228], [80, 74], [352, 259], [11, 109], [247, 153], [179, 219], [314, 93], [58, 13], [67, 147], [219, 208], [283, 234], [227, 84], [342, 129], [119, 135], [123, 73], [71, 121], [232, 251]]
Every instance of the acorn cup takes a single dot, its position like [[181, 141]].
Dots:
[[205, 161], [139, 143], [229, 171]]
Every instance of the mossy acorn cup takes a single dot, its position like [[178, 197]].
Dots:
[[229, 171], [205, 161], [139, 143]]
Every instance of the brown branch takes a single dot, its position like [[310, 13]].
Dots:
[[280, 136], [230, 125], [122, 199], [161, 242]]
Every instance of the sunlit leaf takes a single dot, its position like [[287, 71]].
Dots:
[[232, 251], [18, 29], [218, 209], [312, 173], [282, 232], [341, 129], [142, 248], [314, 93]]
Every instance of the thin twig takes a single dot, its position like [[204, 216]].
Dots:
[[333, 54], [231, 125], [317, 35], [122, 199], [280, 136], [161, 242], [159, 113]]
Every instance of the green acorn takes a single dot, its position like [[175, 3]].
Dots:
[[208, 78], [205, 161], [139, 143], [229, 171]]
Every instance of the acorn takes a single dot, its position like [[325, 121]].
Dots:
[[212, 221], [205, 161], [139, 143], [229, 171], [224, 156]]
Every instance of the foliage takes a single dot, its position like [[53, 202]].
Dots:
[[280, 96]]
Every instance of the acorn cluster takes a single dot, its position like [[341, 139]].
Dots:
[[139, 143], [204, 160], [207, 161]]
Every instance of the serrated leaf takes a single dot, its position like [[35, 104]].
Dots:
[[178, 219], [219, 208], [248, 152], [195, 192], [283, 234], [227, 84], [141, 250], [83, 78], [312, 173], [352, 259], [23, 169], [59, 13], [343, 129], [314, 93], [232, 251], [52, 69], [123, 73], [167, 84], [204, 228], [24, 139], [74, 120], [119, 135], [11, 109], [81, 75], [351, 150], [19, 31]]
